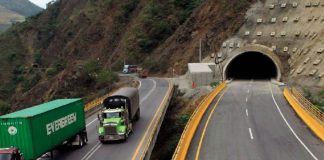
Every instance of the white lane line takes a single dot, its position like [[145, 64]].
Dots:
[[247, 112], [94, 147], [94, 151], [283, 117], [150, 92], [248, 91], [246, 99], [251, 135], [140, 84], [91, 122]]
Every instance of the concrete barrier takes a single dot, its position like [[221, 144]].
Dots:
[[146, 154], [305, 113], [191, 127]]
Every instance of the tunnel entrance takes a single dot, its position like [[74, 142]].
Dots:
[[251, 65]]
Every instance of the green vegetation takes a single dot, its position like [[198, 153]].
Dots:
[[106, 77], [214, 84], [157, 22], [98, 73], [91, 67], [316, 98], [4, 107], [172, 127], [37, 57]]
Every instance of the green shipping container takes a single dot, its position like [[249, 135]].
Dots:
[[41, 128]]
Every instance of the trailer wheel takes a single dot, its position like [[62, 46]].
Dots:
[[81, 141]]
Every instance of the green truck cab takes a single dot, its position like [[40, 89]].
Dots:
[[117, 115]]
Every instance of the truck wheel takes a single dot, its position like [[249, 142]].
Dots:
[[138, 114], [126, 137], [81, 141]]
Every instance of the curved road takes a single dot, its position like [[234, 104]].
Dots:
[[152, 93], [253, 121]]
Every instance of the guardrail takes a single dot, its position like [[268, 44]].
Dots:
[[309, 113], [94, 105], [154, 134], [308, 106], [191, 127]]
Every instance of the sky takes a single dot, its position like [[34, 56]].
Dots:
[[41, 3]]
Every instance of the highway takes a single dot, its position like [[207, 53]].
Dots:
[[252, 121], [152, 93]]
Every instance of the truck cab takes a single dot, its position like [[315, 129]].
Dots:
[[114, 124], [10, 154]]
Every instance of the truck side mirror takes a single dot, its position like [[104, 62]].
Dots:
[[99, 117]]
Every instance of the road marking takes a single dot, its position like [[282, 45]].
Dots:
[[91, 122], [246, 99], [251, 135], [206, 124], [149, 127], [247, 112], [283, 117], [248, 91], [140, 84], [150, 92], [86, 156]]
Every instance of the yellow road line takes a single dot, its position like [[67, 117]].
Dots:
[[206, 125], [150, 125]]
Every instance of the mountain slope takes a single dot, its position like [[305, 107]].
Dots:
[[22, 7], [7, 17], [69, 49]]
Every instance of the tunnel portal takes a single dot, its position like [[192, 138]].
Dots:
[[251, 65]]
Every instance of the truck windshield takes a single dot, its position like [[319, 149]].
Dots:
[[5, 156], [112, 115]]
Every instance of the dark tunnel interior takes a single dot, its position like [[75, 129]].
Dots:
[[251, 65]]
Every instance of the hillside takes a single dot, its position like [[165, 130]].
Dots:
[[7, 17], [70, 49], [22, 7], [12, 11]]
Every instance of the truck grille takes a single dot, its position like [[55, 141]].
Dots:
[[110, 130]]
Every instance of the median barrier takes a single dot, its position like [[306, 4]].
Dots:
[[148, 148]]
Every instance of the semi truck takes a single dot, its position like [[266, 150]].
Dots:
[[117, 115], [129, 69], [31, 133]]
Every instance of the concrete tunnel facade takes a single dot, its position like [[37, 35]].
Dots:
[[253, 62]]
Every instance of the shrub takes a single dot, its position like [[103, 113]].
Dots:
[[91, 67], [4, 107], [59, 67], [37, 57], [214, 84], [19, 70], [51, 72], [18, 78], [107, 77]]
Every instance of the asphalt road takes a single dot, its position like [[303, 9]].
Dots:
[[253, 121], [152, 92]]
